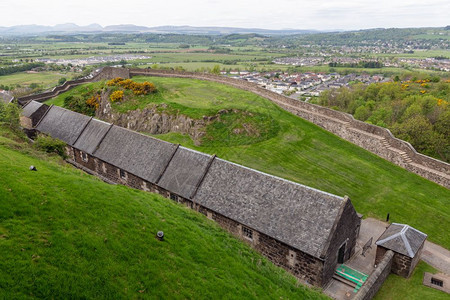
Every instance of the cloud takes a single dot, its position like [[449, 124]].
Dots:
[[319, 14]]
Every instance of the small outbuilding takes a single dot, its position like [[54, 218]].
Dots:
[[406, 243]]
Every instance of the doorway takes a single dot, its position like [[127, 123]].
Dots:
[[341, 254]]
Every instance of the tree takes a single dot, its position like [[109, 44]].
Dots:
[[216, 70], [62, 80]]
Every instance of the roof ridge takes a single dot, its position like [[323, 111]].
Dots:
[[82, 130], [406, 242]]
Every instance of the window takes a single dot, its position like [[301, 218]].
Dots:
[[247, 233], [123, 175], [84, 157], [173, 197], [437, 282]]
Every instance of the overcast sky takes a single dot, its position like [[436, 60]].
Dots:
[[267, 14]]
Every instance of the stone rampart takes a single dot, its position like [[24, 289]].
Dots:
[[105, 73], [376, 278], [375, 139]]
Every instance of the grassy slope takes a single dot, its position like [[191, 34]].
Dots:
[[304, 153], [66, 234], [396, 287]]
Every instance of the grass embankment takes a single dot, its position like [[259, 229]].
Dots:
[[396, 287], [65, 234], [301, 151]]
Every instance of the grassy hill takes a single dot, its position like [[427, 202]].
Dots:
[[65, 234], [300, 151]]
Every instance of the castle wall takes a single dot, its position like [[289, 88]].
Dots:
[[377, 277]]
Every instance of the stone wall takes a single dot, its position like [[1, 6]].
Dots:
[[402, 265], [376, 278], [377, 140], [351, 222], [105, 73]]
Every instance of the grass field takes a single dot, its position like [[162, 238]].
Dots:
[[46, 79], [305, 153], [396, 287], [67, 235]]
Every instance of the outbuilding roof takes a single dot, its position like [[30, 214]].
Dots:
[[63, 124], [92, 135], [184, 172], [31, 108], [135, 153], [402, 239], [297, 215]]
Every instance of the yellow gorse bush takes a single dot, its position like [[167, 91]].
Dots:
[[137, 88]]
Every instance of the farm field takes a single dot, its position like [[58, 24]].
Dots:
[[297, 150]]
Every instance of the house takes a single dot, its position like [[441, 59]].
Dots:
[[304, 230]]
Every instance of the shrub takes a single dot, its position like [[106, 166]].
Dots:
[[116, 96], [94, 101], [10, 115], [137, 88], [50, 145]]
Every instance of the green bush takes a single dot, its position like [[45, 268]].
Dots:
[[10, 115], [50, 145]]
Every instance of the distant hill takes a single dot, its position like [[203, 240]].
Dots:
[[70, 28]]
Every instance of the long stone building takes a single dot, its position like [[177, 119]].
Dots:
[[304, 230]]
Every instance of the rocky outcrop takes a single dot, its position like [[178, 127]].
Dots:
[[154, 120]]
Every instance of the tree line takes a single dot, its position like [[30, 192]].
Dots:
[[415, 110]]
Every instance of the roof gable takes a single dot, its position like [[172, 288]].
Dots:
[[136, 153], [184, 172], [31, 108], [402, 238], [297, 215], [63, 124]]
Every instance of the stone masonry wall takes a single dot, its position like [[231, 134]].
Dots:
[[376, 278], [377, 140], [402, 265], [347, 227]]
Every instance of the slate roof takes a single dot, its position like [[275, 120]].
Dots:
[[31, 108], [299, 216], [63, 124], [135, 153], [92, 136], [184, 172], [402, 239]]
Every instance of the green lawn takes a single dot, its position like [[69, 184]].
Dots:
[[396, 287], [67, 235]]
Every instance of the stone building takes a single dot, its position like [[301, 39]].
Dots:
[[304, 230], [406, 243]]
